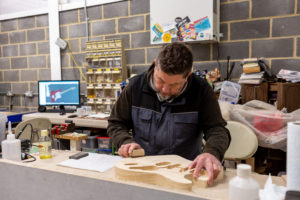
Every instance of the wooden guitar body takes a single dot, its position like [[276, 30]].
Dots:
[[165, 170]]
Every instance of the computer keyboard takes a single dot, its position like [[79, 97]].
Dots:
[[59, 111]]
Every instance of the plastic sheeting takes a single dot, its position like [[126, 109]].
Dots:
[[268, 123]]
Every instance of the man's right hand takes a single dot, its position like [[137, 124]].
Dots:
[[127, 149]]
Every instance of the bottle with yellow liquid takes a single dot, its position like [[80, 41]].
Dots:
[[45, 145]]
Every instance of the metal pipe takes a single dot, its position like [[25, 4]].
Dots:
[[86, 21], [19, 94]]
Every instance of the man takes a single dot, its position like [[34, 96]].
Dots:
[[168, 109]]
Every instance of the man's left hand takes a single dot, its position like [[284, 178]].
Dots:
[[210, 163]]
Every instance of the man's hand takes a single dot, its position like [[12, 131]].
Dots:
[[210, 163], [127, 149]]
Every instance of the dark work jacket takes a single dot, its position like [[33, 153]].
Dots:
[[169, 128]]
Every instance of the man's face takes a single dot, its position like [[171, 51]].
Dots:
[[168, 86]]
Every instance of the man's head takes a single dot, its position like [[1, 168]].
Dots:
[[172, 69], [175, 58]]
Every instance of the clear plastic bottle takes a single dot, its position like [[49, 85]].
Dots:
[[45, 145], [243, 186], [3, 120], [11, 147]]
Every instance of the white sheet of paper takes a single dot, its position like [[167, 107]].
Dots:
[[93, 162], [98, 115]]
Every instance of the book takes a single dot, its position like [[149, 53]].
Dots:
[[250, 65], [253, 78], [252, 75], [250, 81], [251, 68]]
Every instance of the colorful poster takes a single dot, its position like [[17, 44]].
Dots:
[[181, 30], [187, 21]]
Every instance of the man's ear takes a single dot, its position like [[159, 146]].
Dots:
[[190, 73], [155, 61]]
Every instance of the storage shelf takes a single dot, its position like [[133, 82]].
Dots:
[[287, 94], [105, 70]]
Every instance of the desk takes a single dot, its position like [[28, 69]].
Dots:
[[56, 118], [43, 179]]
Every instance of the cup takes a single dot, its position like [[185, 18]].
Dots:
[[80, 112], [88, 110]]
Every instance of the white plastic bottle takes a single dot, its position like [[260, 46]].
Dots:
[[11, 147], [243, 186], [45, 145]]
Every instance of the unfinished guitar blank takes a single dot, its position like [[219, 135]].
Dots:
[[166, 170]]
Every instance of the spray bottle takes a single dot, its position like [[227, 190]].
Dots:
[[11, 147]]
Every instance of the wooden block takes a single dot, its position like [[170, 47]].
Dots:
[[72, 136], [137, 153], [251, 162], [167, 170], [283, 177]]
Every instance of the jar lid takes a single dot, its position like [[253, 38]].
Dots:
[[243, 170], [44, 132]]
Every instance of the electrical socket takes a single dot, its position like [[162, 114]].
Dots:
[[61, 43], [29, 94], [9, 93]]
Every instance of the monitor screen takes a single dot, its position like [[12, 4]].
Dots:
[[58, 92]]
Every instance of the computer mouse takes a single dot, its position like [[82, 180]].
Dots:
[[72, 116]]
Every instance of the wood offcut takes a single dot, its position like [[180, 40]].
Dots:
[[137, 153]]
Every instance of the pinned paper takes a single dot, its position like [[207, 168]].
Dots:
[[158, 30], [156, 39], [202, 24], [172, 32], [184, 21], [193, 34], [168, 27], [167, 37]]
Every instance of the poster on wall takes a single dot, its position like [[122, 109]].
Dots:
[[187, 21]]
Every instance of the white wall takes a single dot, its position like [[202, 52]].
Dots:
[[10, 9], [12, 6]]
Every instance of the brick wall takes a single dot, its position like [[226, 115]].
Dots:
[[251, 28]]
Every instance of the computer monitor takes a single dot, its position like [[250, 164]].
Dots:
[[59, 93]]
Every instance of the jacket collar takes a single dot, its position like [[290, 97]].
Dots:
[[146, 83]]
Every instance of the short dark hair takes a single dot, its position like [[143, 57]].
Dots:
[[176, 58]]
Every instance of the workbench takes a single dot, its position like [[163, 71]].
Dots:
[[13, 117], [56, 118], [43, 179]]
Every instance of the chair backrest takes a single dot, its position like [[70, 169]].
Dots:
[[244, 142], [37, 124]]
